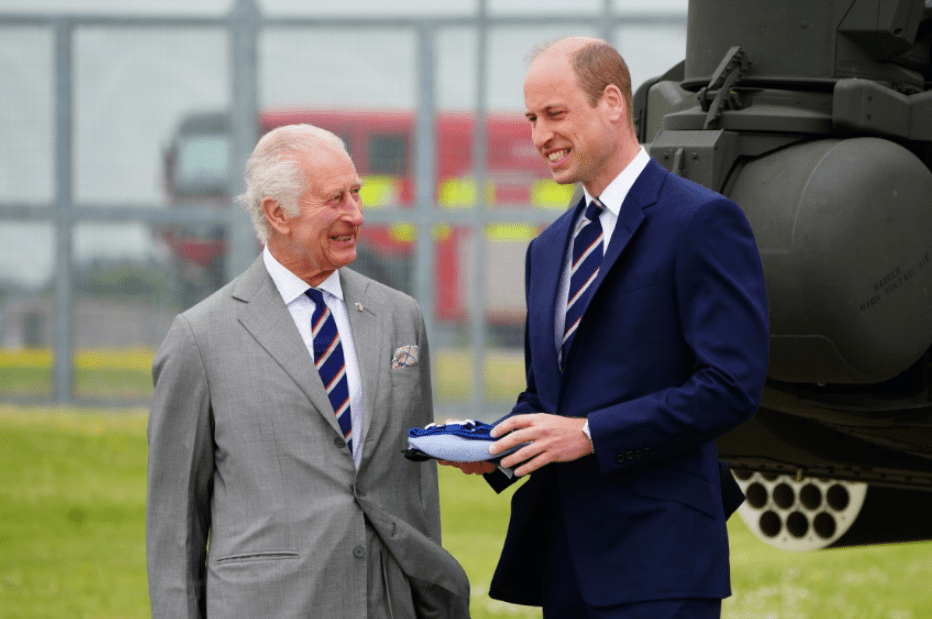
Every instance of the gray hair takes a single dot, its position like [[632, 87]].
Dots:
[[274, 170]]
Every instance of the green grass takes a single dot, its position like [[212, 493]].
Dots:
[[72, 512], [868, 582], [28, 382]]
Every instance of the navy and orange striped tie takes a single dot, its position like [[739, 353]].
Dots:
[[587, 258], [328, 358]]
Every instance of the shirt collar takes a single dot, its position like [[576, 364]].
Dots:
[[290, 286], [616, 192]]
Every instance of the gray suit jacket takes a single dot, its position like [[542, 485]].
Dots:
[[245, 453]]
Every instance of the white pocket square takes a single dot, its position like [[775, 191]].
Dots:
[[404, 357]]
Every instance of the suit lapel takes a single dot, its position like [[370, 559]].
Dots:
[[265, 316], [365, 323], [547, 263], [642, 194]]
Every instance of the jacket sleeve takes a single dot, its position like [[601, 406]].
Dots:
[[722, 305], [180, 474]]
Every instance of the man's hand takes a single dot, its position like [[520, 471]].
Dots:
[[552, 438], [470, 468]]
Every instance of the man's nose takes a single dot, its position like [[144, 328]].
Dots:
[[353, 210], [540, 134]]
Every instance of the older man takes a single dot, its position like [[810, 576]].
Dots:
[[647, 338], [276, 486]]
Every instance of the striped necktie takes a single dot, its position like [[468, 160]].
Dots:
[[328, 358], [587, 257]]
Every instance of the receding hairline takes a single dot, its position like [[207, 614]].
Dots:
[[594, 64], [568, 46]]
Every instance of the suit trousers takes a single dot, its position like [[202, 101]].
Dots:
[[563, 599]]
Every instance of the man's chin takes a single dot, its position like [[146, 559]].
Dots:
[[345, 260], [564, 177]]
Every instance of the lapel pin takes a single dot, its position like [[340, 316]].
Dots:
[[359, 306]]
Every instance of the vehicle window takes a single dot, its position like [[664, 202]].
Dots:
[[202, 163], [388, 154]]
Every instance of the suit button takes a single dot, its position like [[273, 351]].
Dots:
[[339, 442], [620, 458], [359, 552], [630, 455]]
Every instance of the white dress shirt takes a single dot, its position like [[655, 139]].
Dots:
[[301, 307], [612, 197]]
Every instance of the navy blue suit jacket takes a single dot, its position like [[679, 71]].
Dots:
[[671, 353]]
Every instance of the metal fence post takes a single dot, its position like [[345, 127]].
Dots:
[[478, 301], [63, 372], [425, 179], [605, 23], [244, 121]]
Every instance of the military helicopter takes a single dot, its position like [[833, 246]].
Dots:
[[816, 118]]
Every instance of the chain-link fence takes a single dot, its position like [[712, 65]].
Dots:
[[125, 134]]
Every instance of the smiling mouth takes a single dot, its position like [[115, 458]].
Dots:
[[342, 239], [557, 155]]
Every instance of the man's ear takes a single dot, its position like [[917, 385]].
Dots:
[[612, 98], [275, 215]]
